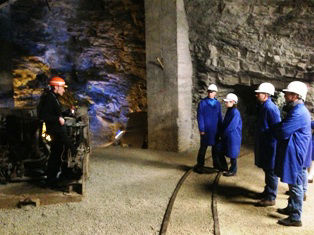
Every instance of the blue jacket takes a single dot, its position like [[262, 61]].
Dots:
[[312, 124], [209, 119], [231, 133], [294, 138], [265, 142], [309, 155]]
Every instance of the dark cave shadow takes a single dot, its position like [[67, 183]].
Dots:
[[145, 162], [275, 215], [154, 163], [209, 170], [232, 193], [239, 202]]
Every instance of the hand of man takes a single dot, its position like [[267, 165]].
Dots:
[[202, 133], [61, 121]]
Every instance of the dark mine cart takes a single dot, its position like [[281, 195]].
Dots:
[[24, 153]]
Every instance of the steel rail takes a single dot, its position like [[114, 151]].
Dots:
[[214, 210], [167, 214]]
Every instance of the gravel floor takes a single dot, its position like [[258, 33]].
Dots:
[[236, 210], [129, 189], [191, 212], [127, 193]]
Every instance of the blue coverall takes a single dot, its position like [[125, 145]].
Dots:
[[231, 136], [294, 140], [265, 146], [209, 120]]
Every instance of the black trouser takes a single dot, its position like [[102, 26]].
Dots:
[[201, 154], [233, 168], [219, 162], [59, 146]]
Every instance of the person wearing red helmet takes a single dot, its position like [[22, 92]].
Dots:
[[49, 111]]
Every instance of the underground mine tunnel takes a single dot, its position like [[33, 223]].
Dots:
[[122, 59], [142, 67]]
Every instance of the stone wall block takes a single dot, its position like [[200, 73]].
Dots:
[[244, 65], [230, 64], [290, 72], [245, 80], [281, 71], [256, 81], [299, 75], [302, 66], [230, 51], [279, 85], [310, 98], [271, 70], [228, 80], [254, 68], [277, 59], [251, 56], [272, 37]]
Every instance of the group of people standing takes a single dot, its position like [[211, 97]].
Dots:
[[283, 148], [224, 135]]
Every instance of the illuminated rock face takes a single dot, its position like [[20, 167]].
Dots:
[[97, 46], [240, 44]]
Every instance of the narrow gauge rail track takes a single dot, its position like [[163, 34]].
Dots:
[[166, 219]]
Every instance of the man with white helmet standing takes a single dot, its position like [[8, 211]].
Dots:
[[209, 119], [294, 139], [265, 143]]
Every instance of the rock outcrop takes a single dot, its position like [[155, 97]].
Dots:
[[240, 44], [97, 46]]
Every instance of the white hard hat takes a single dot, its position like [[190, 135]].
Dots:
[[297, 87], [231, 97], [266, 87], [212, 87]]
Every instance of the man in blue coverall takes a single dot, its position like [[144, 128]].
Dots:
[[265, 143], [311, 169], [294, 139], [209, 120]]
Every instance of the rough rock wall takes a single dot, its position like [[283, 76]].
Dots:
[[239, 44], [97, 45]]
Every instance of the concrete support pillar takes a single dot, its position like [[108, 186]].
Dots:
[[169, 75]]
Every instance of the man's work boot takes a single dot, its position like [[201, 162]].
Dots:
[[229, 173], [289, 222], [199, 169], [284, 211], [264, 203]]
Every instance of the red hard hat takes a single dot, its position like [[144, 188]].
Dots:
[[57, 81]]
